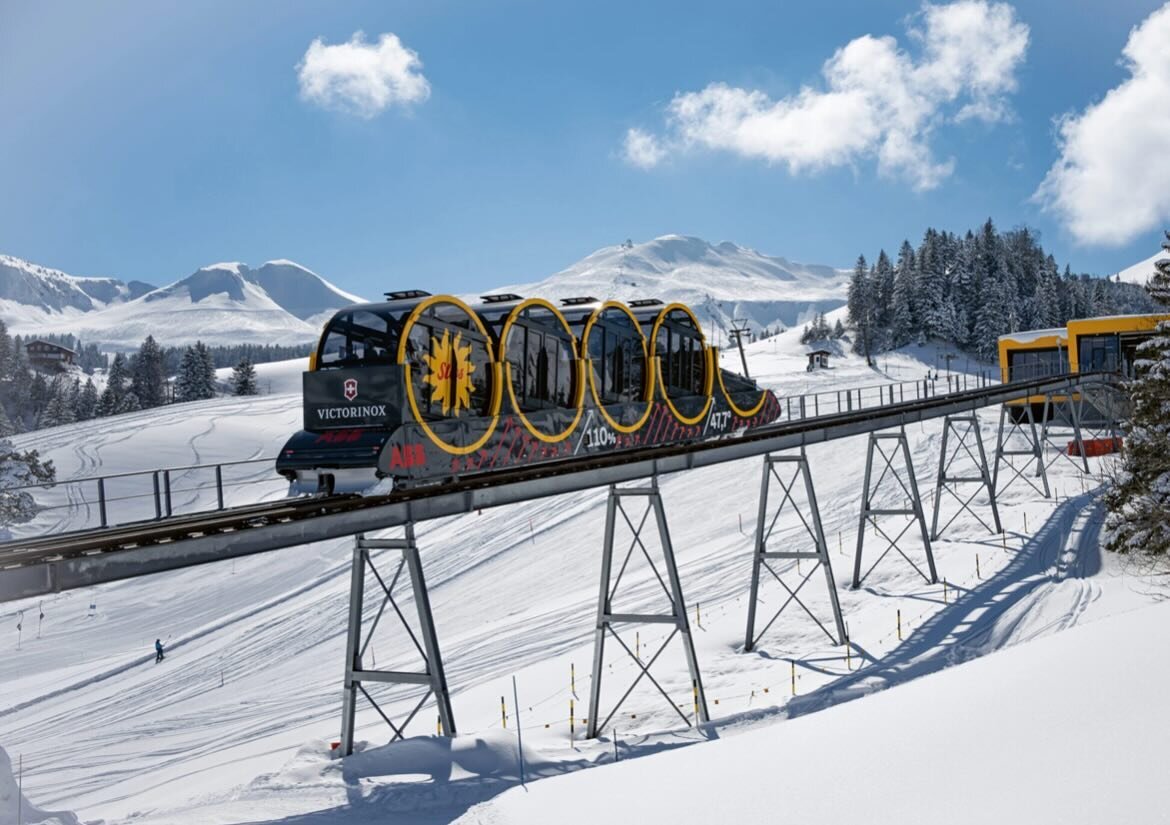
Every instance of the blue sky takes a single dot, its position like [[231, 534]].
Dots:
[[143, 141]]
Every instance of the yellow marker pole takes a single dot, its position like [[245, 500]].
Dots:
[[695, 695], [698, 616], [1005, 540], [438, 726], [978, 575], [792, 667], [1025, 521], [944, 591], [572, 722], [638, 645], [503, 713], [899, 624], [572, 678]]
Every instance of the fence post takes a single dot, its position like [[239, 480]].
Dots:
[[102, 500], [167, 490], [157, 500], [219, 484]]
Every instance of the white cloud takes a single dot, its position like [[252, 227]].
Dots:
[[642, 149], [877, 100], [1112, 180], [362, 78]]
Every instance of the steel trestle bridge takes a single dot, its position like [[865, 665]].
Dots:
[[53, 563]]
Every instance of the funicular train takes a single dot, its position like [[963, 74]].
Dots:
[[420, 389], [1107, 344]]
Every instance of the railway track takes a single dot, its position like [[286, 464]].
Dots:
[[46, 564]]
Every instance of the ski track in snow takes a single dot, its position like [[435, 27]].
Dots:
[[255, 646]]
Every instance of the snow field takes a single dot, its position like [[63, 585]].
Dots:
[[251, 686]]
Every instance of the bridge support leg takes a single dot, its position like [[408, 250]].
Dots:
[[964, 427], [819, 555], [607, 617], [1004, 452], [432, 675], [870, 513], [1064, 410]]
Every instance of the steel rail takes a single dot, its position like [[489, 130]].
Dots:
[[79, 559]]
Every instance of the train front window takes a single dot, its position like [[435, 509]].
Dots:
[[357, 339]]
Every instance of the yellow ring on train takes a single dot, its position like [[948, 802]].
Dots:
[[647, 380], [579, 403], [727, 396], [497, 395], [708, 381]]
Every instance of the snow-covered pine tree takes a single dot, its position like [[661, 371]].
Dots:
[[861, 309], [1046, 301], [196, 378], [149, 382], [884, 299], [5, 352], [1139, 499], [87, 402], [838, 330], [129, 403], [19, 469], [59, 410], [902, 320], [208, 374], [930, 286], [244, 378], [6, 426], [116, 380]]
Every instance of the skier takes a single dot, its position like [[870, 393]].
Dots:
[[158, 651]]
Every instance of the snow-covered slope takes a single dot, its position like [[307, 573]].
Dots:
[[34, 295], [281, 302], [234, 726], [1139, 273], [298, 290], [720, 282]]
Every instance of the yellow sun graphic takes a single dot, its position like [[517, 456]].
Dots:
[[449, 372]]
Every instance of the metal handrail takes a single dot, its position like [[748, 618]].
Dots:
[[793, 406]]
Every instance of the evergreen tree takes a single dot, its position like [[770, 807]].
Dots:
[[902, 321], [1139, 499], [838, 330], [19, 469], [116, 380], [861, 308], [883, 285], [87, 402], [129, 403], [5, 352], [196, 378], [149, 382], [59, 410], [6, 426]]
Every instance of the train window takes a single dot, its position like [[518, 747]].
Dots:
[[449, 378], [541, 361], [617, 358], [357, 339], [681, 352]]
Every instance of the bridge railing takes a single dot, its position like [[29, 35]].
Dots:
[[832, 402], [115, 499], [148, 495]]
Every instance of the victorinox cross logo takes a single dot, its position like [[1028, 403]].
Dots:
[[350, 389]]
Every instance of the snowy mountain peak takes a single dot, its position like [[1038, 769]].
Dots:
[[1140, 272], [30, 291], [721, 282], [227, 266]]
